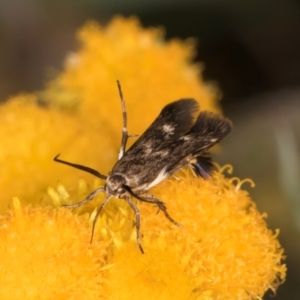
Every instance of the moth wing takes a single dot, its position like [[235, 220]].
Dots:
[[208, 130], [144, 160], [159, 153], [175, 120]]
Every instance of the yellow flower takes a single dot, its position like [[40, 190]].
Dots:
[[31, 136], [45, 254], [223, 250], [152, 73], [88, 130], [223, 238], [222, 241]]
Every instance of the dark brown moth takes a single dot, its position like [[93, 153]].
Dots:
[[179, 137]]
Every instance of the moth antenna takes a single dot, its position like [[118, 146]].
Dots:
[[125, 134], [80, 167], [124, 129]]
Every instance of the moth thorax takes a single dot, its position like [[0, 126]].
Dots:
[[114, 185]]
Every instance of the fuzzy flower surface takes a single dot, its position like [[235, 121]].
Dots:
[[45, 255], [223, 250]]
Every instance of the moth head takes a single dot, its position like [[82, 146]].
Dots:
[[115, 185]]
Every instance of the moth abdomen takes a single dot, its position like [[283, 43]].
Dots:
[[203, 166]]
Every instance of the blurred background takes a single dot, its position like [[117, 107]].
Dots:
[[250, 49]]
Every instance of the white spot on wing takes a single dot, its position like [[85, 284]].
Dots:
[[160, 177], [147, 147], [185, 138], [168, 128]]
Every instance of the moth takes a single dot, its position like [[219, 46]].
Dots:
[[179, 137]]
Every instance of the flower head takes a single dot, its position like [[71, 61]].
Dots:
[[152, 73]]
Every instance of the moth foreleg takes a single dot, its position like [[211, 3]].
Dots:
[[90, 197], [152, 199], [137, 222], [97, 215]]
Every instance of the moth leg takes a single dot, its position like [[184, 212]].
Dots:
[[152, 199], [137, 222], [85, 200], [97, 215]]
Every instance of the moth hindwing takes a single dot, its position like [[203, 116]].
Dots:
[[179, 137]]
